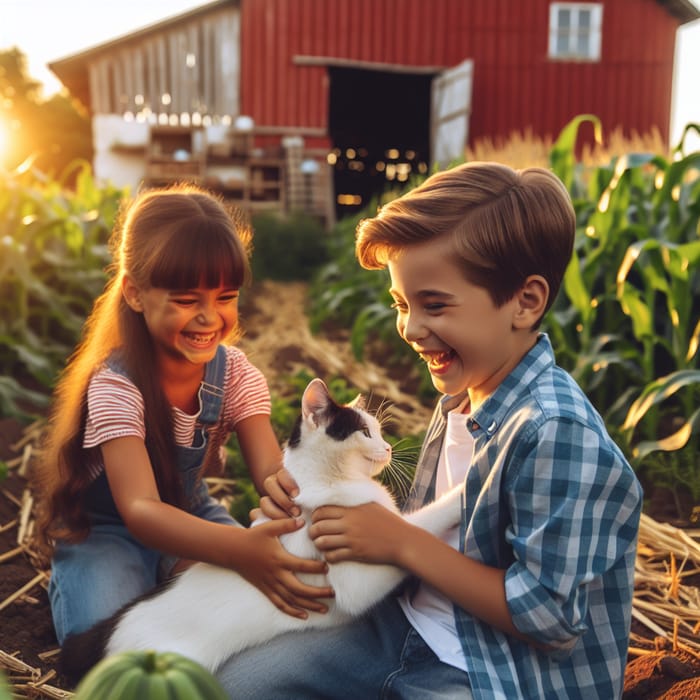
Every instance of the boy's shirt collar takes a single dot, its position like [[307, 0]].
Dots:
[[489, 416]]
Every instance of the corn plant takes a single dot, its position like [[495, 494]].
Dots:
[[626, 321], [54, 251]]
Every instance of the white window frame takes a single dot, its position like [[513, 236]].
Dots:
[[575, 41]]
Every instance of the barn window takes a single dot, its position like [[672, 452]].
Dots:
[[575, 30]]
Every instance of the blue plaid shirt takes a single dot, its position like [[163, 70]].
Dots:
[[550, 498]]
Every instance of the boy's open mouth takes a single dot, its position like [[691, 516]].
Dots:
[[437, 361]]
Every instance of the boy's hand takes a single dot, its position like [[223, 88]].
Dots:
[[265, 563], [368, 533], [280, 490]]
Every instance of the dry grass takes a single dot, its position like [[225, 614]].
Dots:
[[523, 150]]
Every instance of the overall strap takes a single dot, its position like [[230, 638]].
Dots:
[[211, 390]]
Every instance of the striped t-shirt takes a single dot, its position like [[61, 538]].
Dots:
[[115, 405]]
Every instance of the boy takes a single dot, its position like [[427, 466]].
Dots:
[[532, 596]]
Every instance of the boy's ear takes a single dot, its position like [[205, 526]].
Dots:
[[131, 294], [532, 301]]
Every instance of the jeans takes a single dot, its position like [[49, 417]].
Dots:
[[92, 579], [377, 656]]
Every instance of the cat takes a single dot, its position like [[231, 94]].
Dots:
[[209, 613]]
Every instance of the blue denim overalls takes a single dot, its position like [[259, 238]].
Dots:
[[92, 579]]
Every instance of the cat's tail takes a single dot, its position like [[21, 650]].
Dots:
[[81, 651]]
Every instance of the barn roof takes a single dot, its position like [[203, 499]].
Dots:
[[72, 70], [684, 10]]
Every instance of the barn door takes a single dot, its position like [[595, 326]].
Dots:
[[449, 117]]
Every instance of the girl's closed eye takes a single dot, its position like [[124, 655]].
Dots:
[[183, 301], [435, 306]]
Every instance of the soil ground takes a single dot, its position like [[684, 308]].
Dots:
[[278, 341]]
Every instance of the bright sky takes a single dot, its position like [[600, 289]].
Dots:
[[46, 30]]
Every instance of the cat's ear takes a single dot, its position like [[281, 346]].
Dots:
[[358, 402], [315, 400]]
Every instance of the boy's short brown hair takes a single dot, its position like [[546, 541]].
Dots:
[[504, 224]]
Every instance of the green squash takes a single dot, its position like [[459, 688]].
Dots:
[[5, 693], [148, 675]]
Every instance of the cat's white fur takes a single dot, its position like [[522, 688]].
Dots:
[[210, 613]]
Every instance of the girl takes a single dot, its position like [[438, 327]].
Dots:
[[142, 413]]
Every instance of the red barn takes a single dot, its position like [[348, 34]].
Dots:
[[382, 88]]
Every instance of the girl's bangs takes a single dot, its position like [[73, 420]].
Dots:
[[209, 259]]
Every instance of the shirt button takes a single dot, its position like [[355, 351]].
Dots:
[[492, 427]]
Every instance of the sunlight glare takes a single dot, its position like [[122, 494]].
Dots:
[[4, 141]]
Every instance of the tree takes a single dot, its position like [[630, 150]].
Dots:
[[55, 132]]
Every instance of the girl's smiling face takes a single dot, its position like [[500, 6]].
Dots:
[[186, 324], [466, 341]]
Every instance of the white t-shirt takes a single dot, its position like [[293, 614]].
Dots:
[[429, 612]]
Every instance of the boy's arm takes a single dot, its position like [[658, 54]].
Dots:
[[574, 506], [350, 534]]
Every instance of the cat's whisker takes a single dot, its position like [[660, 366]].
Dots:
[[408, 449], [397, 476], [383, 413]]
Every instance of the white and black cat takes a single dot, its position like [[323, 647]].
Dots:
[[209, 613]]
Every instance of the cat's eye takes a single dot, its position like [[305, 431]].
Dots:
[[365, 432]]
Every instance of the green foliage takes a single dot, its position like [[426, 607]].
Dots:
[[287, 248], [54, 252], [626, 323]]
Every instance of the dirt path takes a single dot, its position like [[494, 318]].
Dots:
[[278, 340]]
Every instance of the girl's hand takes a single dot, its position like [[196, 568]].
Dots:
[[280, 490], [368, 533], [265, 563]]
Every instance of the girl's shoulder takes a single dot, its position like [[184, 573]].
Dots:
[[237, 362], [108, 375], [245, 388], [114, 408], [234, 353]]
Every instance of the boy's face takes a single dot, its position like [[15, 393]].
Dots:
[[464, 338]]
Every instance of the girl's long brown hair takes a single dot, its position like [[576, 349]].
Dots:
[[181, 237]]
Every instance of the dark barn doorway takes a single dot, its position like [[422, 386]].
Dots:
[[379, 126]]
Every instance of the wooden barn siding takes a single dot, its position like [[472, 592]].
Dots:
[[155, 64], [515, 85]]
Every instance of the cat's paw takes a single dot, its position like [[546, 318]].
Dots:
[[441, 515]]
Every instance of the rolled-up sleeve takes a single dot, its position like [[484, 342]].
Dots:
[[573, 506]]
